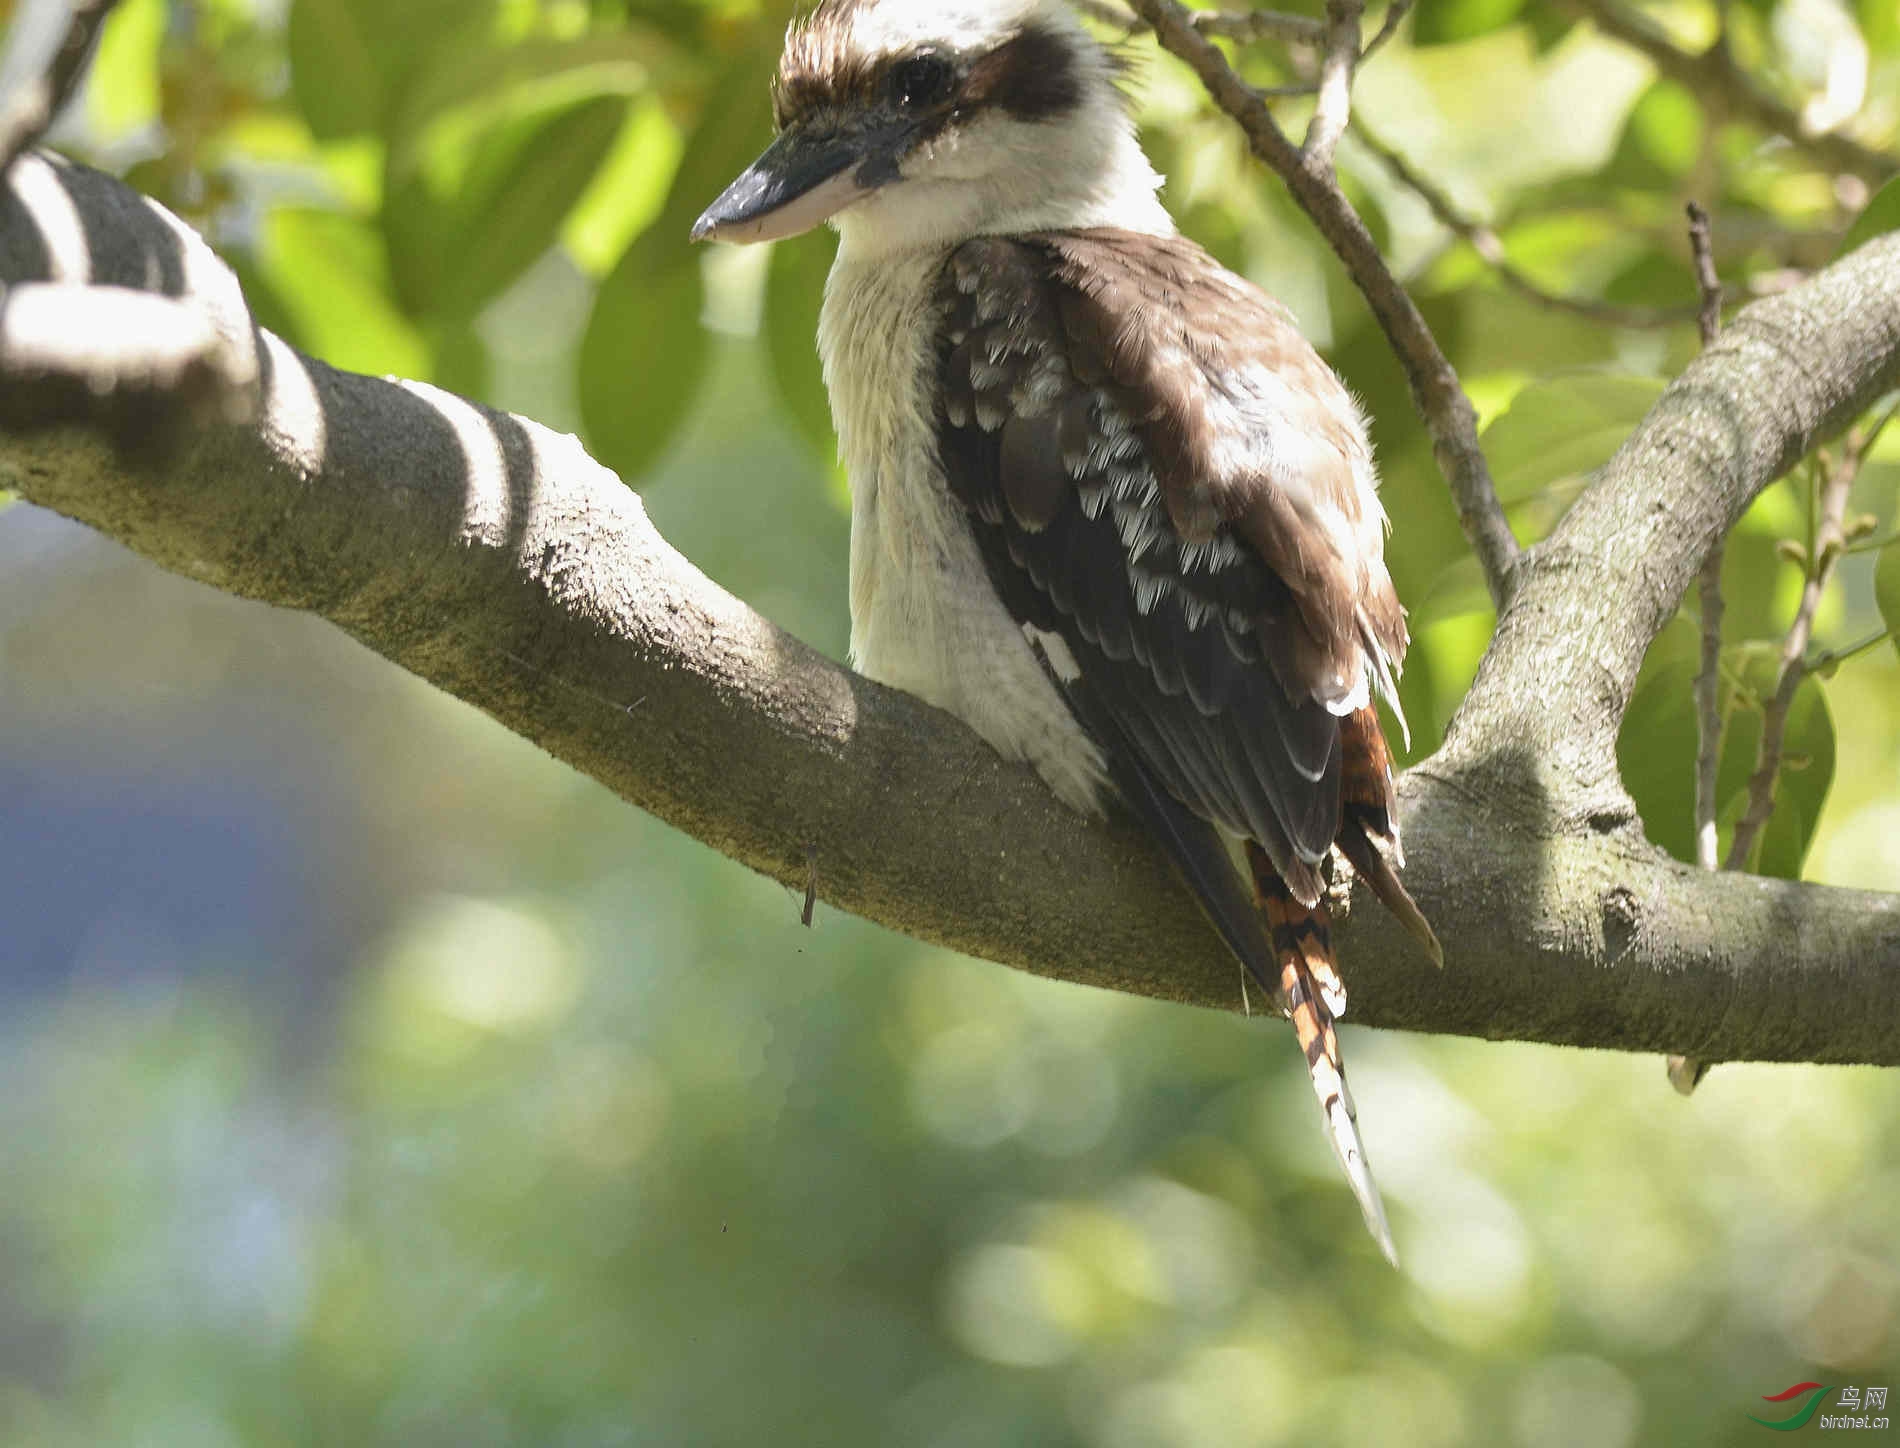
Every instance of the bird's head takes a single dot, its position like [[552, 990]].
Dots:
[[914, 123]]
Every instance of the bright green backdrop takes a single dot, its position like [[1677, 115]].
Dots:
[[366, 1077]]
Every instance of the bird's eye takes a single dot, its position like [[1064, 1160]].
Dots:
[[921, 81]]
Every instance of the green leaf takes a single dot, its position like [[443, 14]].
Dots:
[[462, 363], [1548, 28], [349, 59], [1564, 427], [335, 74], [1656, 750], [627, 191], [645, 352], [1887, 589], [1668, 123], [454, 254], [794, 292], [122, 90], [1807, 752], [1880, 216], [1442, 22], [479, 85], [643, 356], [1880, 24], [331, 276]]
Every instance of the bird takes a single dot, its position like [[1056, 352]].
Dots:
[[1108, 505]]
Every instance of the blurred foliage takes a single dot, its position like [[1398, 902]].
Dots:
[[367, 1078]]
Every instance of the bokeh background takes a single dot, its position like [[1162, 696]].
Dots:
[[368, 1077]]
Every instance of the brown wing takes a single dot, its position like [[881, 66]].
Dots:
[[1120, 460], [1247, 429]]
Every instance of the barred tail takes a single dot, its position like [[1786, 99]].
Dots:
[[1312, 996]]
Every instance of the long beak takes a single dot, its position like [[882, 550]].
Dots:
[[803, 179]]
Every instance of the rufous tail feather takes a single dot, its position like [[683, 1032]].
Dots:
[[1312, 995]]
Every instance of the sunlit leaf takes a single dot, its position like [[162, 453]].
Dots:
[[1662, 138], [627, 191], [645, 352], [1563, 428], [480, 84], [335, 72], [452, 255], [1880, 216], [1440, 22], [349, 59], [1880, 23], [331, 276], [794, 291], [122, 89], [1887, 588]]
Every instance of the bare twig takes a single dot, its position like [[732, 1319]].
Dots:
[[1702, 251], [1490, 247], [51, 43], [1718, 81], [1686, 1072], [1246, 25], [1302, 33], [1824, 550], [1334, 105], [1436, 392]]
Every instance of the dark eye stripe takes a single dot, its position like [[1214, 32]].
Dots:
[[1032, 76]]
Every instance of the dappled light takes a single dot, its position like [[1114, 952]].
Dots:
[[374, 1071]]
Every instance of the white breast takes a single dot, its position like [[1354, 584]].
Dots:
[[924, 617]]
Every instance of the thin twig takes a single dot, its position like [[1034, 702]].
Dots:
[[1719, 82], [1708, 693], [1333, 107], [1490, 247], [1436, 392], [50, 45], [1826, 662], [1686, 1072], [1246, 25], [1395, 14], [1825, 549]]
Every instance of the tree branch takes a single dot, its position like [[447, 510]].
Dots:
[[1437, 393], [1714, 76], [1686, 1072], [495, 559]]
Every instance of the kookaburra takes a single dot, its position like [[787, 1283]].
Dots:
[[1108, 506]]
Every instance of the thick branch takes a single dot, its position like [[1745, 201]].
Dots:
[[1787, 373], [497, 560]]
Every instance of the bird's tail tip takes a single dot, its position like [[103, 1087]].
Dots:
[[1342, 1129], [1312, 995]]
